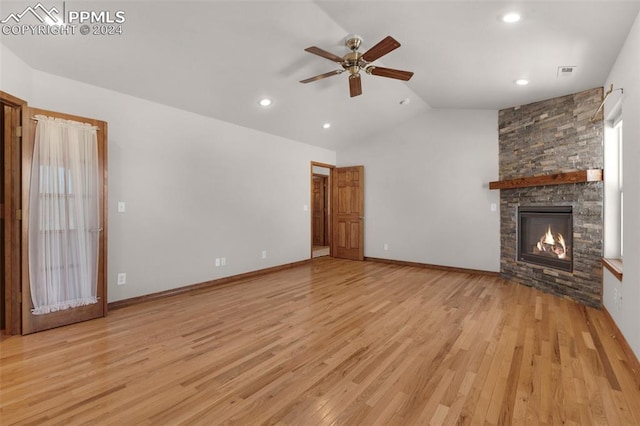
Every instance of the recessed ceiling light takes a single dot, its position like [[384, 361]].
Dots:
[[265, 102], [511, 17], [405, 101], [326, 125], [522, 82]]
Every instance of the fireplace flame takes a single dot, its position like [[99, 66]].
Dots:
[[548, 237], [552, 245], [563, 253]]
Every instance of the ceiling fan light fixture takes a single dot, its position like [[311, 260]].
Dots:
[[353, 41]]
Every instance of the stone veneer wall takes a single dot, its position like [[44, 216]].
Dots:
[[548, 137]]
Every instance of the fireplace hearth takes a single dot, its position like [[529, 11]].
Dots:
[[545, 236]]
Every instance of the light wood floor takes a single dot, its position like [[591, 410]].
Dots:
[[329, 342]]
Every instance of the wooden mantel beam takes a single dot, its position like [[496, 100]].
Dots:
[[579, 176]]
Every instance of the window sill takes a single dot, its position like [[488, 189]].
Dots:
[[614, 266]]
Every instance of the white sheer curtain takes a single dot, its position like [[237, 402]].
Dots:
[[64, 216]]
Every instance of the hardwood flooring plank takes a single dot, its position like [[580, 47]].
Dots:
[[329, 342]]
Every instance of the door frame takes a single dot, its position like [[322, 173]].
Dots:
[[12, 214], [328, 194], [16, 177]]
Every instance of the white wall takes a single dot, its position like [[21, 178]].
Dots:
[[195, 188], [14, 75], [626, 74], [426, 190]]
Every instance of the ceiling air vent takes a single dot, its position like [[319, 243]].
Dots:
[[566, 71]]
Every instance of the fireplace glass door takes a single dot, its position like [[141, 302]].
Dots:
[[545, 236]]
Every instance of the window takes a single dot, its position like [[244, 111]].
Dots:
[[613, 189], [618, 130], [56, 182]]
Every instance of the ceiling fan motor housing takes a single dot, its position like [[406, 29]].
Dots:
[[352, 62]]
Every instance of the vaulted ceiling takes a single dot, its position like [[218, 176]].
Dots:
[[219, 58]]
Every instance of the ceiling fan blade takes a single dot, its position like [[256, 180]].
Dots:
[[355, 85], [321, 76], [317, 51], [391, 73], [385, 46]]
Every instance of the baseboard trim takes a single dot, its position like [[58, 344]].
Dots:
[[200, 286], [626, 348], [429, 266]]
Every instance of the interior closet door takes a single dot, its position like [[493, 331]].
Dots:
[[30, 322]]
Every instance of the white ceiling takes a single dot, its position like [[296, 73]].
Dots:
[[218, 58]]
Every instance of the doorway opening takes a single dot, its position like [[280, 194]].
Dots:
[[342, 219], [320, 209]]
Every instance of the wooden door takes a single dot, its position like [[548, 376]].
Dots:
[[319, 201], [33, 323], [347, 196]]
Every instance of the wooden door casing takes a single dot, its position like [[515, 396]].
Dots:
[[348, 212], [13, 110], [33, 323]]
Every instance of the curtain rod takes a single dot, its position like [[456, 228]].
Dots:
[[95, 127], [593, 117]]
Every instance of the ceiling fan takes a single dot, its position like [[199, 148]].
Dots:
[[354, 62]]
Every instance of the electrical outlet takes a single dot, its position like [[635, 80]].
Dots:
[[217, 261], [385, 247], [264, 254], [122, 278], [223, 261]]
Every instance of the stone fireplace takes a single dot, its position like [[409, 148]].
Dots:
[[551, 157]]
